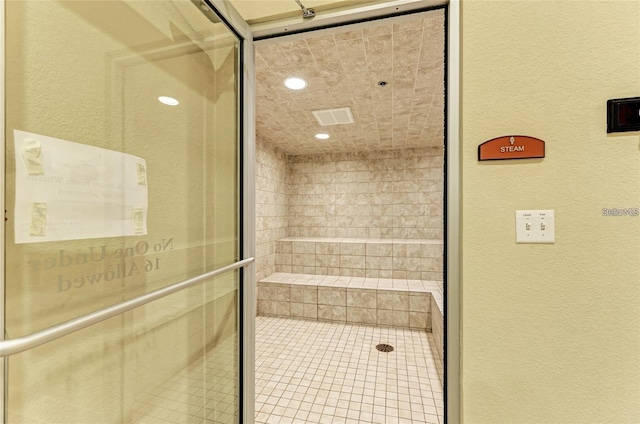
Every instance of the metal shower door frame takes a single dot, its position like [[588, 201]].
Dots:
[[453, 155]]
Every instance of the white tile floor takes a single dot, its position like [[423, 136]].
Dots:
[[324, 372]]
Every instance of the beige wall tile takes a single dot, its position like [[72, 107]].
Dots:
[[297, 310], [362, 298], [347, 261], [384, 300], [267, 307], [418, 320], [324, 312], [297, 293], [310, 311], [352, 249], [400, 301], [339, 313], [419, 302], [401, 318], [283, 292], [338, 296], [354, 314], [384, 317], [310, 295], [325, 296]]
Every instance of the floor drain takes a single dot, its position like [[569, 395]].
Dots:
[[382, 347]]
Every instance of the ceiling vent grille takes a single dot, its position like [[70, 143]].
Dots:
[[338, 116]]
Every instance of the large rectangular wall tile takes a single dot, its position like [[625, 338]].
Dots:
[[297, 293], [338, 297], [384, 300], [324, 312], [354, 314], [401, 318], [384, 317], [297, 310], [361, 298], [283, 308], [418, 320], [362, 315], [348, 261], [419, 302], [283, 292], [400, 301], [339, 313], [310, 310], [352, 249], [324, 296], [267, 307]]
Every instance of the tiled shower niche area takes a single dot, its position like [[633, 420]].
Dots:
[[351, 237]]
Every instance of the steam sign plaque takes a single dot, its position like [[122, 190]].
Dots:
[[511, 147]]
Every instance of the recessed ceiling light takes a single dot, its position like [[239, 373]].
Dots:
[[295, 83], [322, 136], [169, 101]]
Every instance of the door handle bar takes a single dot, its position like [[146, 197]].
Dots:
[[21, 344]]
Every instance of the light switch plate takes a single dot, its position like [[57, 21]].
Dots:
[[535, 226]]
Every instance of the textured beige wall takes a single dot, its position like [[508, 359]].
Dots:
[[550, 333]]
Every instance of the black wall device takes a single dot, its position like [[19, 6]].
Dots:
[[623, 115]]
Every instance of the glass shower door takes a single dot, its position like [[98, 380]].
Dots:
[[122, 177]]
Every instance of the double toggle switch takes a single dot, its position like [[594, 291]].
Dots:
[[535, 226], [543, 226]]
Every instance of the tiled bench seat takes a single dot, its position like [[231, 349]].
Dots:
[[415, 304], [414, 259]]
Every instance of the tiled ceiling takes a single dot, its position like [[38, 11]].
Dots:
[[344, 69]]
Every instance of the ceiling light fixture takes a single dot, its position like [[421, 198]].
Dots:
[[322, 136], [169, 101], [295, 83]]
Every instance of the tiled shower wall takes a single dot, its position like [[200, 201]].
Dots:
[[391, 194], [383, 194], [271, 205]]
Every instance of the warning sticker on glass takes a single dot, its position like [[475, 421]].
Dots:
[[69, 191]]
